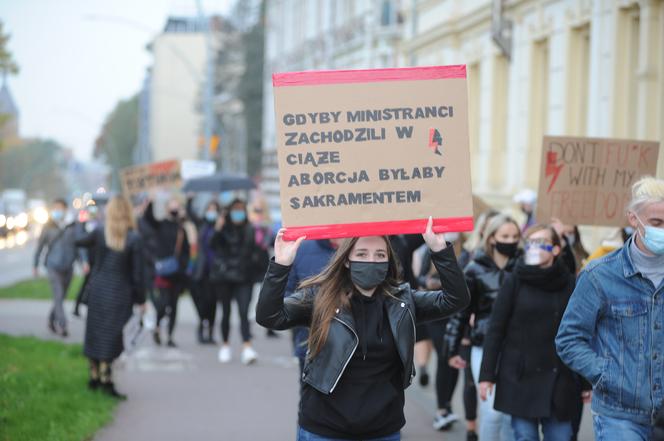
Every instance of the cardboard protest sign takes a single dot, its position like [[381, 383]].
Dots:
[[587, 181], [370, 152], [141, 178]]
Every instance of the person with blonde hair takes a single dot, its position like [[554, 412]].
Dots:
[[116, 284], [612, 332]]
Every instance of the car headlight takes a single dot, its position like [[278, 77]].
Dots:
[[3, 220], [40, 215], [10, 223], [21, 220]]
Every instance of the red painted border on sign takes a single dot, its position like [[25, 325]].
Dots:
[[417, 226], [322, 77]]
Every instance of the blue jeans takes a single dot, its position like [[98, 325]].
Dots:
[[494, 425], [616, 429], [303, 435], [527, 429]]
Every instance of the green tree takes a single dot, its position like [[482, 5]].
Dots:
[[251, 91], [7, 67], [35, 167], [7, 64], [117, 141]]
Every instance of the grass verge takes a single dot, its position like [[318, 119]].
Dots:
[[37, 289], [44, 394]]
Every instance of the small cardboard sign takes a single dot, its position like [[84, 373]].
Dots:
[[142, 178], [587, 181], [369, 152]]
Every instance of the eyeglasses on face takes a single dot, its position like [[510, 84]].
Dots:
[[542, 244]]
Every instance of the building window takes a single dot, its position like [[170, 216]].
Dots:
[[627, 64], [474, 85], [500, 91], [539, 109], [578, 77]]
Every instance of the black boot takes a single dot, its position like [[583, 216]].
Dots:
[[109, 389], [199, 334], [156, 337], [93, 383]]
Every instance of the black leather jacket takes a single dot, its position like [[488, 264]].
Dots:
[[484, 279], [409, 307]]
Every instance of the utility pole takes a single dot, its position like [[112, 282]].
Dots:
[[208, 88]]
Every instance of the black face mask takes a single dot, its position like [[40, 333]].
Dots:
[[507, 249], [368, 275]]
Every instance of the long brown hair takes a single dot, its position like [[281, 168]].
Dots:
[[335, 289], [119, 220]]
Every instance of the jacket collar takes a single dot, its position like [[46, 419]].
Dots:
[[628, 266]]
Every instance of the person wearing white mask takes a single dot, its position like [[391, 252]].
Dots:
[[57, 241], [612, 332], [531, 382]]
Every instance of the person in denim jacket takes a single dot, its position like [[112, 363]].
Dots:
[[612, 331]]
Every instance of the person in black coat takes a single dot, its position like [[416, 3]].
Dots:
[[170, 240], [485, 275], [116, 283], [234, 246], [201, 288], [531, 383]]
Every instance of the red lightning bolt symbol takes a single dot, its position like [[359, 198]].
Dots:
[[552, 169]]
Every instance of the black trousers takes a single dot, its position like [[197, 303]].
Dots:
[[241, 292], [446, 376], [205, 299], [167, 305], [469, 389]]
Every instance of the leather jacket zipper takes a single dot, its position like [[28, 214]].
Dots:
[[412, 320], [357, 342]]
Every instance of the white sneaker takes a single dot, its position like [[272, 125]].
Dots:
[[225, 354], [444, 422], [248, 356]]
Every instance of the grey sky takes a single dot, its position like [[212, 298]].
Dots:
[[79, 57]]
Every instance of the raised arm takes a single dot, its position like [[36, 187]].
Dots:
[[454, 297], [148, 215], [191, 213], [272, 310]]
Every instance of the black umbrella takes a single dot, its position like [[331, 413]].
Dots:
[[219, 182]]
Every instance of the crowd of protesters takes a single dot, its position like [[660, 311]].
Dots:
[[534, 323], [130, 255]]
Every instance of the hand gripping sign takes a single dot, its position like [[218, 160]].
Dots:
[[370, 152]]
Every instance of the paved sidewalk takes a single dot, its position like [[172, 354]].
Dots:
[[185, 394]]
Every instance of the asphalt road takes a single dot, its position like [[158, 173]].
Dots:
[[16, 253]]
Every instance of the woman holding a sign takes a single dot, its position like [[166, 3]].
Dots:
[[360, 355]]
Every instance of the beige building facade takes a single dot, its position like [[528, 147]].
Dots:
[[316, 35], [177, 78], [573, 67]]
